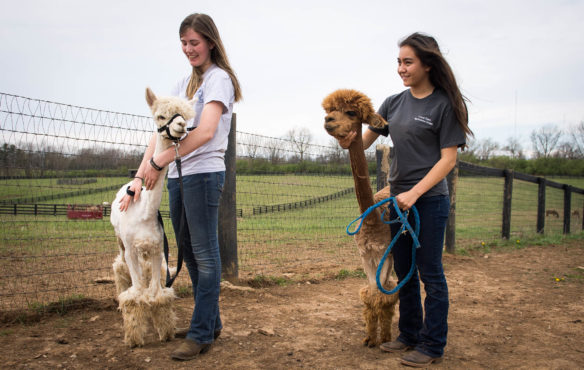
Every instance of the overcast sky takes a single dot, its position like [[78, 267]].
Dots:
[[521, 63]]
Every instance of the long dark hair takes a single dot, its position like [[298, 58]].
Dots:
[[204, 25], [441, 75]]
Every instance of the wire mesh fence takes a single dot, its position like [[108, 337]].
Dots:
[[62, 165]]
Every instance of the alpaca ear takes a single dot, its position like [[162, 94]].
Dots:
[[375, 120], [150, 97]]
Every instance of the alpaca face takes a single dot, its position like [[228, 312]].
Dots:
[[339, 123], [170, 114], [346, 111]]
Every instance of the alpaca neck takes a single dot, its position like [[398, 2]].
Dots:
[[156, 198], [360, 173]]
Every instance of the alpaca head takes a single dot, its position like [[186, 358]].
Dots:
[[170, 114], [347, 110]]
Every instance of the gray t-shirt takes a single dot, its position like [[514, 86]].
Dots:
[[419, 129], [216, 86]]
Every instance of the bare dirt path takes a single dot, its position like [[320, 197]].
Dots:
[[520, 308]]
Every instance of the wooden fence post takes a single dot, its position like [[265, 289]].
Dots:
[[450, 237], [227, 212], [382, 154], [541, 188], [507, 197], [567, 207]]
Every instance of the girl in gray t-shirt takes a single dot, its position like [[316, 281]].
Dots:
[[427, 123]]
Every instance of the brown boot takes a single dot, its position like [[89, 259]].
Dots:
[[189, 349], [418, 359], [395, 347], [182, 333]]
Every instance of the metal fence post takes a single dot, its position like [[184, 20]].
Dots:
[[227, 211], [541, 204], [507, 197], [450, 237]]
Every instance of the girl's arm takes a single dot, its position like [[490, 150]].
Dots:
[[136, 185], [446, 163], [205, 131]]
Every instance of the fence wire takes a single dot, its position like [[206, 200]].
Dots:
[[291, 214]]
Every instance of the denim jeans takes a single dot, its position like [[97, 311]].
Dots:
[[201, 247], [425, 330]]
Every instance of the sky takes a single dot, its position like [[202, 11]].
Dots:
[[520, 63]]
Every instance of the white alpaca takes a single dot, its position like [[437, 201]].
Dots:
[[137, 269]]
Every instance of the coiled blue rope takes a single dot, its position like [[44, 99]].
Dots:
[[403, 219]]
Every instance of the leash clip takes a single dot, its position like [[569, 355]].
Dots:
[[176, 146]]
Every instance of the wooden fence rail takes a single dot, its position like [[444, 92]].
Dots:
[[507, 194]]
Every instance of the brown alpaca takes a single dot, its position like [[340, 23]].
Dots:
[[347, 110], [552, 212]]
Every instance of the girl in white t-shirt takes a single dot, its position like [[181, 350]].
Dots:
[[215, 88]]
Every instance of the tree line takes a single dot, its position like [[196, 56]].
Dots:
[[553, 152]]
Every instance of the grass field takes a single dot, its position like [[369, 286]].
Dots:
[[45, 258]]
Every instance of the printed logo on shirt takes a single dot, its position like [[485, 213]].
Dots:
[[424, 119]]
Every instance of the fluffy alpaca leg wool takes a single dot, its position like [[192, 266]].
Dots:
[[162, 314], [371, 316], [121, 275], [135, 314]]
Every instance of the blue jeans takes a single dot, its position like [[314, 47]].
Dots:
[[425, 330], [200, 246]]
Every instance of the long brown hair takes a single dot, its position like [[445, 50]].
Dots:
[[441, 75], [204, 25]]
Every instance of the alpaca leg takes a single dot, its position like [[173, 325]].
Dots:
[[163, 316], [135, 314], [133, 261], [121, 273], [156, 262], [387, 308], [370, 316]]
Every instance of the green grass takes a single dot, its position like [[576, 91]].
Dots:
[[478, 215], [345, 274]]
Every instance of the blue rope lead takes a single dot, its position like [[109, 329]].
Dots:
[[403, 219]]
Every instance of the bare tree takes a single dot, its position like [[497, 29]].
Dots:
[[335, 153], [252, 146], [566, 150], [484, 149], [577, 138], [273, 149], [514, 147], [545, 140], [300, 139]]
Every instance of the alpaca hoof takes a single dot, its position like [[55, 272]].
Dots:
[[369, 342]]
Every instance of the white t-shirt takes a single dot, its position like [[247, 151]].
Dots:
[[216, 86]]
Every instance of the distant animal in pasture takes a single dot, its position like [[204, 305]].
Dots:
[[552, 212]]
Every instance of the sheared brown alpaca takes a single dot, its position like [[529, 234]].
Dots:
[[346, 111]]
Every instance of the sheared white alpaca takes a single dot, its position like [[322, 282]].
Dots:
[[137, 268]]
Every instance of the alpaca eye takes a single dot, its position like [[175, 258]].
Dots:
[[351, 113], [160, 117]]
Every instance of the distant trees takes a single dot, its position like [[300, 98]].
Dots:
[[545, 140], [299, 139], [30, 160]]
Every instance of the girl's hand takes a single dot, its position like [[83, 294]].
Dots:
[[406, 200], [150, 176], [136, 187], [345, 142]]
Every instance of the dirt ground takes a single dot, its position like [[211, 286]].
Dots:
[[511, 308]]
